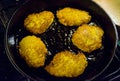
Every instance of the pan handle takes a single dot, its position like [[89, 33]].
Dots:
[[3, 18], [3, 15]]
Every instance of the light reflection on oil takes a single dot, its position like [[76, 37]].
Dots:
[[11, 40]]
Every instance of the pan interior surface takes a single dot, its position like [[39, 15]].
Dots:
[[98, 60]]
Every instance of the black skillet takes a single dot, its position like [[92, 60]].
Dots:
[[98, 60]]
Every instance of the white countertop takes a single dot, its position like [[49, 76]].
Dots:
[[112, 7]]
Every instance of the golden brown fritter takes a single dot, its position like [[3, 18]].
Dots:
[[88, 38], [38, 23], [67, 64], [33, 50], [73, 17]]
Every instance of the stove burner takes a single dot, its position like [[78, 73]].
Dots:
[[7, 71]]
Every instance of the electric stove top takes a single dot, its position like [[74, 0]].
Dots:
[[9, 73]]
